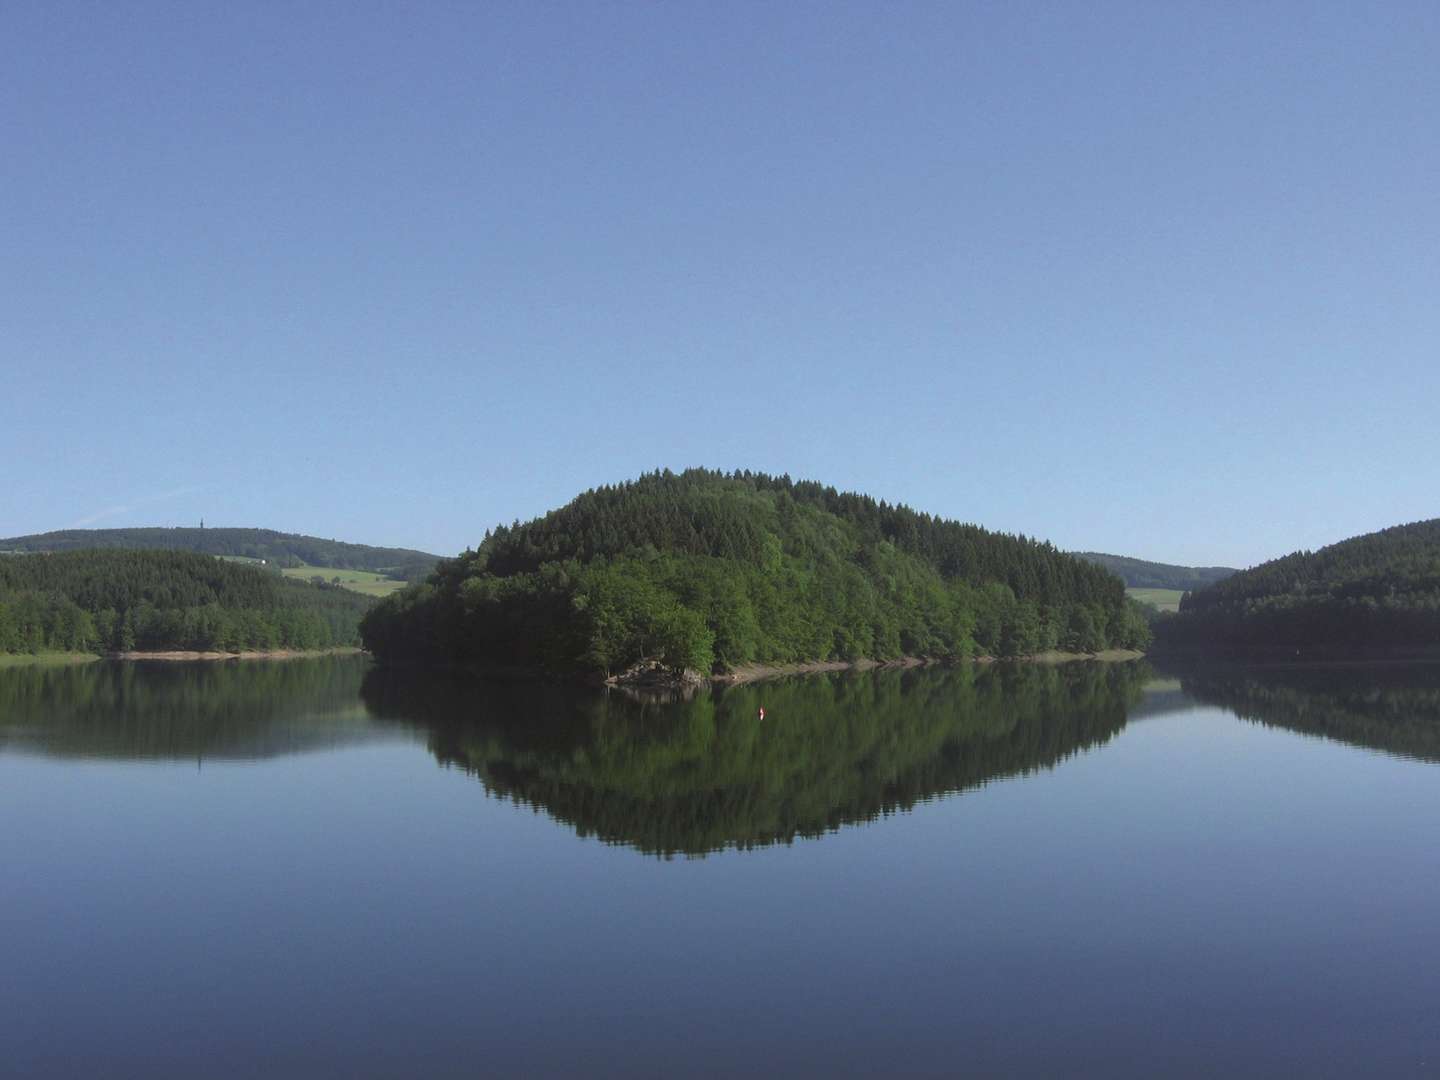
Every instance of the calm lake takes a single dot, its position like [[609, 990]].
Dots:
[[316, 868]]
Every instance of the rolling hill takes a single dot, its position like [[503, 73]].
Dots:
[[711, 571], [1142, 574], [285, 550], [97, 600]]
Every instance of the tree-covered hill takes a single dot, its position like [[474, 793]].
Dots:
[[278, 548], [156, 600], [707, 570], [1378, 591], [1142, 574]]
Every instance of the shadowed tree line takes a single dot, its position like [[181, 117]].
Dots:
[[709, 571], [84, 601], [698, 775], [1375, 592]]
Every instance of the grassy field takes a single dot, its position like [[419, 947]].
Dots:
[[1164, 599], [361, 581]]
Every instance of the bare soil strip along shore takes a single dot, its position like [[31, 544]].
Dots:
[[654, 675], [264, 654]]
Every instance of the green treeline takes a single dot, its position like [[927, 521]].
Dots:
[[1379, 591], [698, 775], [704, 570], [276, 548], [85, 601]]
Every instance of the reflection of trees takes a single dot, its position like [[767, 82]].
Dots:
[[159, 710], [1389, 707], [699, 775]]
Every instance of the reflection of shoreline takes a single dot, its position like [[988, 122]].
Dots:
[[650, 679], [1392, 706], [140, 711], [755, 672], [1345, 655], [44, 659], [689, 776]]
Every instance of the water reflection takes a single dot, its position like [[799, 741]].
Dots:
[[184, 711], [1393, 708], [690, 777], [696, 776]]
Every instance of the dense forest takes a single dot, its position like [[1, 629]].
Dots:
[[695, 776], [1142, 574], [276, 548], [1378, 591], [85, 601], [711, 571]]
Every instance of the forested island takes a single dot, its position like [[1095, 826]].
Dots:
[[119, 601], [707, 572], [1374, 593]]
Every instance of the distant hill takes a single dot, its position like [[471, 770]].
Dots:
[[1141, 574], [117, 600], [277, 548], [1378, 591], [711, 571]]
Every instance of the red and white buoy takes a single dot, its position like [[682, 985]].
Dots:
[[762, 712]]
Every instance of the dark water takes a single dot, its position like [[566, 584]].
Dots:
[[315, 869]]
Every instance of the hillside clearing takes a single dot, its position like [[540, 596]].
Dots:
[[362, 581], [1160, 599]]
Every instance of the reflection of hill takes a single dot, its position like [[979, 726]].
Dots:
[[700, 775], [1160, 697], [1391, 707], [252, 709]]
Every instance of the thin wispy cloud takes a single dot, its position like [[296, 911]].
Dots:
[[99, 515], [135, 504]]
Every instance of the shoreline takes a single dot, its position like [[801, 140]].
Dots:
[[255, 654], [656, 677]]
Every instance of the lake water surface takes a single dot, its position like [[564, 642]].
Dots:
[[316, 868]]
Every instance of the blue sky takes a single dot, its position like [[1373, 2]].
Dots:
[[1156, 279]]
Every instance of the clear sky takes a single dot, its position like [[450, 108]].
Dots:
[[1154, 279]]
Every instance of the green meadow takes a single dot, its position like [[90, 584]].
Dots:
[[1160, 599], [361, 581]]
